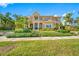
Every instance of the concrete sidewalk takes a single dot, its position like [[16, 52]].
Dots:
[[3, 38]]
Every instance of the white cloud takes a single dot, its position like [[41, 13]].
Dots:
[[4, 4], [55, 15], [64, 14]]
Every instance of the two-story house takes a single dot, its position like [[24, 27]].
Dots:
[[39, 22]]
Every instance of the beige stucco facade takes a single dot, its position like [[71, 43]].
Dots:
[[39, 22]]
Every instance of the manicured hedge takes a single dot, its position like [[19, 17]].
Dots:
[[1, 35], [23, 30], [15, 35], [64, 31], [39, 34], [35, 34], [54, 34]]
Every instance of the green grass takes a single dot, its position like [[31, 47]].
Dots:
[[69, 47], [6, 30], [54, 33]]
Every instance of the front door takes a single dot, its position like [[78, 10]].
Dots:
[[36, 26]]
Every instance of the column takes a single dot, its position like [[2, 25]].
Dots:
[[38, 25], [38, 22], [33, 26]]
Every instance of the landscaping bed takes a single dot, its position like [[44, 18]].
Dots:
[[39, 34]]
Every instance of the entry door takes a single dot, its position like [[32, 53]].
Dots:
[[36, 26]]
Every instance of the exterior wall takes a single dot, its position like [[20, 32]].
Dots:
[[43, 20]]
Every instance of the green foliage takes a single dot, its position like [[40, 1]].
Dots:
[[2, 28], [39, 34], [77, 28], [46, 29], [1, 35], [6, 21], [16, 35], [70, 28], [77, 20], [64, 31], [35, 34], [27, 30], [68, 19], [18, 30], [52, 33], [21, 22]]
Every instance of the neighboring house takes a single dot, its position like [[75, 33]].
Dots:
[[39, 22]]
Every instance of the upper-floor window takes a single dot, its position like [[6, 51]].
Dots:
[[48, 25], [36, 17], [41, 18], [47, 18]]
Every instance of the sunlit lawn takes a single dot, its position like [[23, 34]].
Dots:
[[69, 47]]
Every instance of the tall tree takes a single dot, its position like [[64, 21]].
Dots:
[[68, 18], [9, 21], [20, 22], [77, 21], [6, 21]]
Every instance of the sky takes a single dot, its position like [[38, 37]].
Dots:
[[53, 9]]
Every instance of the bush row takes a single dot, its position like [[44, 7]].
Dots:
[[23, 30], [63, 31], [39, 34], [55, 34]]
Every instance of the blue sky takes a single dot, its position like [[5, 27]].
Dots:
[[43, 8]]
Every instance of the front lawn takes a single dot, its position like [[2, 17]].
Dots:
[[69, 47]]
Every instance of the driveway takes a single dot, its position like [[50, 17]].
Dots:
[[3, 38]]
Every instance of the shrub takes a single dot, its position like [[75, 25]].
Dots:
[[71, 28], [27, 30], [39, 34], [74, 32], [64, 31], [22, 34], [2, 28], [16, 35], [23, 30], [47, 29], [1, 35], [18, 30], [52, 33], [35, 34]]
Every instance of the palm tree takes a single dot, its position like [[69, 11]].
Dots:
[[6, 21], [69, 22], [9, 21], [68, 18], [1, 21], [25, 21], [20, 21], [77, 21]]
